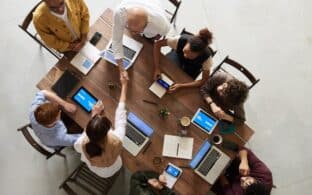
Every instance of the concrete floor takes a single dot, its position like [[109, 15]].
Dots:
[[272, 38]]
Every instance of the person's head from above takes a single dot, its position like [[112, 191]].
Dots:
[[97, 130], [197, 44], [233, 92], [253, 187], [137, 19], [57, 6], [48, 114]]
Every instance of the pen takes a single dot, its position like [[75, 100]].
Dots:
[[147, 145], [178, 149], [150, 102]]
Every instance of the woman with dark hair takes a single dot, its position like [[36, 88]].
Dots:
[[100, 145], [225, 96], [192, 54]]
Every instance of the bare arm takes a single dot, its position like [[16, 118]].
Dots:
[[156, 55], [51, 96]]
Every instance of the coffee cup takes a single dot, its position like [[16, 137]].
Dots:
[[216, 139], [185, 121]]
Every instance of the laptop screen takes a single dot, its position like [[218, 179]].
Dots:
[[200, 154], [140, 124], [204, 121], [129, 53]]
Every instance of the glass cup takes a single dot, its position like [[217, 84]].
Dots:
[[184, 122], [216, 139]]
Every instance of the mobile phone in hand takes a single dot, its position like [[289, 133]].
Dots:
[[95, 38]]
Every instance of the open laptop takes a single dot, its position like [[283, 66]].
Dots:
[[209, 162], [131, 49], [204, 121], [138, 134]]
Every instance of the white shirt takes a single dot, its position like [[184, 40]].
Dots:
[[64, 17], [157, 24], [120, 131]]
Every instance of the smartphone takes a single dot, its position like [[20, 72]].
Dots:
[[230, 145], [163, 83], [172, 174], [95, 38]]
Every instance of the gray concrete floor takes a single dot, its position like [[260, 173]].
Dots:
[[272, 38]]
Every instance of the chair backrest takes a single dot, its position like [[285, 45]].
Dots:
[[88, 180], [25, 27], [239, 68], [173, 14], [32, 141]]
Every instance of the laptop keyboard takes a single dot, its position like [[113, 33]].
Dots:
[[133, 135], [129, 53], [209, 162]]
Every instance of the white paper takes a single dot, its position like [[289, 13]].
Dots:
[[178, 147]]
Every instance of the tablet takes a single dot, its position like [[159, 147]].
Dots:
[[204, 121], [84, 99], [172, 174]]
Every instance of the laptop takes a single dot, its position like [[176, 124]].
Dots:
[[86, 58], [138, 134], [131, 49], [209, 162], [65, 84], [204, 121]]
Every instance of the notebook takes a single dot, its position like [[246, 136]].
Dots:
[[86, 58], [161, 85], [65, 84], [178, 147]]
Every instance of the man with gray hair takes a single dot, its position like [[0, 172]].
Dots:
[[138, 17]]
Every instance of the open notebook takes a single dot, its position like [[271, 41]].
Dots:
[[86, 58], [178, 147], [161, 85]]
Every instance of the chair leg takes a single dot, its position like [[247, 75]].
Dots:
[[67, 189]]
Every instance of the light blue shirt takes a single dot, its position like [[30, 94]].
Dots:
[[55, 136]]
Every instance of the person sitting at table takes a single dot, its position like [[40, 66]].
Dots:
[[191, 54], [101, 145], [45, 119], [138, 17], [149, 183], [226, 96], [246, 175], [62, 24]]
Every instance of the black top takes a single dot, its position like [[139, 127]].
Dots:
[[191, 66], [139, 184]]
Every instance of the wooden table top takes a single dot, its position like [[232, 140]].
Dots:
[[182, 103]]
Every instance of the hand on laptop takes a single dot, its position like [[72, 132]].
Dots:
[[98, 108], [155, 183], [71, 108]]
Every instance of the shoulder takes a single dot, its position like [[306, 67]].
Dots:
[[41, 11]]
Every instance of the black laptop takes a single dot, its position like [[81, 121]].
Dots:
[[65, 84]]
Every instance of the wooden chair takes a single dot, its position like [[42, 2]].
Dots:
[[25, 26], [173, 14], [40, 148], [240, 68], [90, 182]]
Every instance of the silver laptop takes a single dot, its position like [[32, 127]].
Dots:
[[131, 49], [138, 134], [209, 162], [204, 121]]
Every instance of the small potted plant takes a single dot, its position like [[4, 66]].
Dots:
[[164, 112]]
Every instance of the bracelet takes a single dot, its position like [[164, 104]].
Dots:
[[210, 103]]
